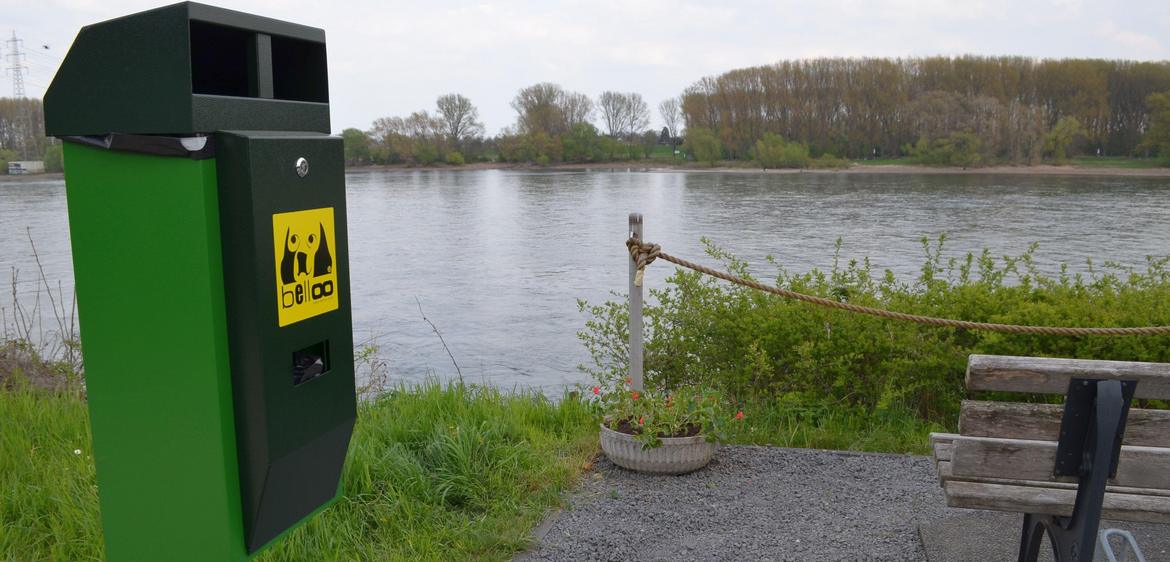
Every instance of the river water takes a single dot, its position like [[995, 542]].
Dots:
[[498, 259]]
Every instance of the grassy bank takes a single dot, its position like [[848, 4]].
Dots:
[[433, 473]]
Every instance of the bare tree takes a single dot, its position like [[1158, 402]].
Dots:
[[639, 114], [460, 118], [575, 108], [383, 127], [669, 110], [624, 114], [421, 125], [538, 108], [548, 108]]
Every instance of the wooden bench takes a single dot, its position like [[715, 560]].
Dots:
[[1064, 467]]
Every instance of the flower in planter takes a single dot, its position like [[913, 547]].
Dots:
[[650, 416]]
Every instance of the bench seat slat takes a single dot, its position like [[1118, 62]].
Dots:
[[1018, 459], [1044, 375], [1041, 422], [1027, 499]]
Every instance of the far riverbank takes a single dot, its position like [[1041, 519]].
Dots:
[[651, 166]]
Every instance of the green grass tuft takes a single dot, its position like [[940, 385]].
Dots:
[[792, 422], [433, 473]]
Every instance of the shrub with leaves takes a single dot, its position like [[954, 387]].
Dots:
[[752, 345]]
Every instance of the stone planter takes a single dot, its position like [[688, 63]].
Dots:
[[676, 455]]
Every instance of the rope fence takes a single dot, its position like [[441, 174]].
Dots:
[[644, 253]]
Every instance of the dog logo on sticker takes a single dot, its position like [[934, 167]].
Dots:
[[306, 279]]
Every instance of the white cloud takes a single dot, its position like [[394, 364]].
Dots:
[[1145, 45]]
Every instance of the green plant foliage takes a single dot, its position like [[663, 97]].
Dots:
[[773, 151], [582, 144], [1157, 139], [650, 416], [356, 146], [703, 145], [455, 158], [433, 473], [425, 153], [756, 346], [54, 158], [959, 149], [6, 156], [1062, 137]]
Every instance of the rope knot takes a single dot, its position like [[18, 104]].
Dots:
[[643, 254]]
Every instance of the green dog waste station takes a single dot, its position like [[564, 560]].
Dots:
[[208, 223]]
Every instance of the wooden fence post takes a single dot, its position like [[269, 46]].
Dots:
[[635, 309]]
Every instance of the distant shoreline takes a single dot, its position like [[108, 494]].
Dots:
[[1041, 170]]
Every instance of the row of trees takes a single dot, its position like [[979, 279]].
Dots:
[[859, 108], [940, 110], [552, 125], [22, 136]]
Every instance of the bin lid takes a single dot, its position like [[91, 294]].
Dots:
[[190, 68]]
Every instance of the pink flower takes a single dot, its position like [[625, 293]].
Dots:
[[739, 415], [642, 420], [596, 390]]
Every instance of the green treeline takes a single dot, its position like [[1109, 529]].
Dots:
[[962, 111], [981, 109], [965, 111]]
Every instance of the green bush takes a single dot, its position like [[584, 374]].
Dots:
[[828, 161], [455, 158], [703, 145], [773, 151], [754, 345], [54, 159], [961, 149], [6, 156]]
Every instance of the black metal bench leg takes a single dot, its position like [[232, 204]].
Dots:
[[1031, 538], [1075, 538]]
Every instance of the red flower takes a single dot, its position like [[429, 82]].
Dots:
[[596, 390], [642, 420], [634, 395], [739, 415]]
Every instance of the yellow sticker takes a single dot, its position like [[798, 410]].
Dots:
[[306, 259]]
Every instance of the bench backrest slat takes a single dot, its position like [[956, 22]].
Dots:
[[1018, 459], [1043, 375], [1017, 420]]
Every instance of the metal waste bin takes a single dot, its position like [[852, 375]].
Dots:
[[208, 225]]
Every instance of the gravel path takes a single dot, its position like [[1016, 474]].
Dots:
[[751, 503], [769, 503]]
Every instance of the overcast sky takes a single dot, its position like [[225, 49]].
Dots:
[[391, 58]]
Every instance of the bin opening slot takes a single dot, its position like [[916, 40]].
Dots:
[[299, 70], [223, 60], [310, 362]]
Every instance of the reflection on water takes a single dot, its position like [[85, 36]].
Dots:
[[498, 258]]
